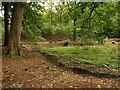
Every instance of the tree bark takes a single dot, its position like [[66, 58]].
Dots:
[[74, 28], [15, 29], [6, 23]]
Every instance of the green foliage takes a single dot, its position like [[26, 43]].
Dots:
[[100, 40], [17, 86], [66, 42], [93, 20], [106, 55], [32, 21], [104, 21]]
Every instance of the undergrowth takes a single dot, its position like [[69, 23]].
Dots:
[[105, 55]]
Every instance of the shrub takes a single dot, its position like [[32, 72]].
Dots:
[[87, 42], [66, 42], [17, 86]]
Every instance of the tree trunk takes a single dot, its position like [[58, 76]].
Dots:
[[74, 23], [74, 30], [6, 21], [15, 29]]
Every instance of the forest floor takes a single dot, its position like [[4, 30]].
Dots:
[[35, 71]]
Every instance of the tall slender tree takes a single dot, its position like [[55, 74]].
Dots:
[[6, 22]]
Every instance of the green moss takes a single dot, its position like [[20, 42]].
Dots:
[[13, 55]]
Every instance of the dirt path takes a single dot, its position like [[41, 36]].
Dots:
[[34, 71]]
